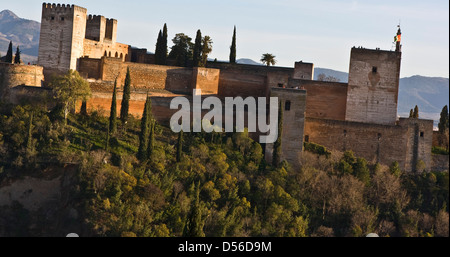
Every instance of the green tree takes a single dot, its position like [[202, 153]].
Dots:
[[233, 47], [197, 49], [126, 98], [17, 59], [9, 54], [30, 147], [70, 88], [164, 45], [395, 169], [416, 112], [206, 49], [361, 170], [276, 158], [444, 120], [151, 140], [194, 223], [145, 130], [180, 146], [268, 59], [181, 49], [158, 50], [411, 113], [113, 112]]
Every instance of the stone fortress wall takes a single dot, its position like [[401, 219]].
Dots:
[[360, 115]]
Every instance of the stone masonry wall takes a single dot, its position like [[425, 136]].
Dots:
[[325, 100], [373, 86]]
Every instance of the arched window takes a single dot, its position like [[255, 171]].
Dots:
[[121, 56], [117, 55], [109, 54], [106, 54]]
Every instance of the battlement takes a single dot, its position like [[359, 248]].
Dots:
[[47, 7], [91, 17]]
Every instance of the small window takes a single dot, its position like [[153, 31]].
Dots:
[[287, 106], [280, 85], [345, 132], [379, 136], [307, 138], [53, 18], [422, 134], [62, 18], [374, 69]]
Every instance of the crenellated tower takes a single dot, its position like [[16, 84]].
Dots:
[[63, 29]]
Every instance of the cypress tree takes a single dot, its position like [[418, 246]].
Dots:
[[113, 112], [126, 98], [158, 49], [194, 224], [233, 47], [180, 146], [197, 49], [416, 112], [276, 158], [151, 139], [444, 120], [411, 113], [145, 127], [17, 57], [30, 134], [9, 54], [164, 45]]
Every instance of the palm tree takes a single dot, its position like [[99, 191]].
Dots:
[[268, 59]]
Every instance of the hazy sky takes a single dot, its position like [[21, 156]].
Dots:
[[320, 31]]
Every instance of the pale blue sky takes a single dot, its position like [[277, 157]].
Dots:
[[319, 31]]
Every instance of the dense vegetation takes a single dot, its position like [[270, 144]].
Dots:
[[215, 184]]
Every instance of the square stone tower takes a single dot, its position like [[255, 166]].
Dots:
[[63, 29], [373, 85]]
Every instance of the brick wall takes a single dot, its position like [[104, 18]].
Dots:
[[325, 100]]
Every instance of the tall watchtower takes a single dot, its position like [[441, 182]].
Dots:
[[63, 29], [373, 85]]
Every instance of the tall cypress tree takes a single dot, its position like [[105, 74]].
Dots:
[[164, 45], [9, 54], [233, 47], [180, 146], [444, 120], [276, 158], [17, 57], [416, 112], [145, 127], [126, 98], [194, 223], [197, 49], [158, 50], [151, 139], [30, 134], [113, 112]]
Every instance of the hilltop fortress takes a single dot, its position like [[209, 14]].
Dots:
[[360, 115]]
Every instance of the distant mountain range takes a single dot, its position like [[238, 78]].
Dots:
[[22, 32], [429, 93]]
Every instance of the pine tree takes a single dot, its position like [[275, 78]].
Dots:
[[113, 112], [9, 54], [444, 120], [126, 98], [17, 57], [151, 139], [197, 49], [194, 223], [164, 45], [276, 158], [416, 112], [180, 146], [145, 130], [233, 47]]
